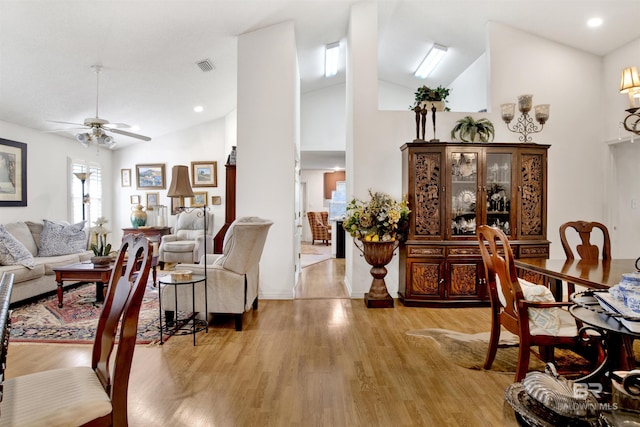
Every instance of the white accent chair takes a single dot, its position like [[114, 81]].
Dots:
[[186, 244], [232, 278]]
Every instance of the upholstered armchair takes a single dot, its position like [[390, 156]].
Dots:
[[232, 278], [320, 227], [186, 244]]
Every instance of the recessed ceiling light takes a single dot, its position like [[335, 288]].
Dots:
[[198, 109], [594, 22]]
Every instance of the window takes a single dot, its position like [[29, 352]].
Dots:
[[92, 189]]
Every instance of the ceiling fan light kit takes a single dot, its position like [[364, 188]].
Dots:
[[97, 127]]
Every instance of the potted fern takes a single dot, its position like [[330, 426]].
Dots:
[[101, 251], [468, 129]]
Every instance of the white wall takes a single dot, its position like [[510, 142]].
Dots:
[[206, 142], [322, 119], [314, 180], [268, 138], [47, 174], [469, 89]]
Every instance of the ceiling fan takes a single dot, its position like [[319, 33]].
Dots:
[[97, 129]]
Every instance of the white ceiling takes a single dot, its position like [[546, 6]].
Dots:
[[149, 49]]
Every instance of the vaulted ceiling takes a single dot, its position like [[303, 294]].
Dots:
[[149, 50]]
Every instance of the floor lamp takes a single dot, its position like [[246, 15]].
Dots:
[[83, 176]]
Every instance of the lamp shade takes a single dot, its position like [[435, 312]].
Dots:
[[82, 176], [180, 185], [629, 80]]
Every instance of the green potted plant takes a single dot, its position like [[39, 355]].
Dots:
[[468, 129], [428, 97]]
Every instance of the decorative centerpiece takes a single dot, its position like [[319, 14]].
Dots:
[[468, 129], [138, 216], [101, 251], [428, 99], [379, 225]]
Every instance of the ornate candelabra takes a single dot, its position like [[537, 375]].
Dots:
[[525, 124]]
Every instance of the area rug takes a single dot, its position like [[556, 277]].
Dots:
[[44, 322], [469, 350]]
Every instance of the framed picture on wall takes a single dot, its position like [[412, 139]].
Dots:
[[152, 200], [13, 173], [150, 176], [176, 204], [204, 174], [135, 200], [216, 200], [199, 199], [125, 177]]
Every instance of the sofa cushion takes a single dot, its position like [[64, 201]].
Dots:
[[59, 238], [21, 274], [13, 252], [22, 233], [36, 231], [56, 261]]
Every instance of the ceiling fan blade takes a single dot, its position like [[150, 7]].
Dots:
[[131, 134], [117, 126], [63, 130], [66, 123]]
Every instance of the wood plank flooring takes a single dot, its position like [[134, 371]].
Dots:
[[313, 361]]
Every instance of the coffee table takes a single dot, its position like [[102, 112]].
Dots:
[[83, 272]]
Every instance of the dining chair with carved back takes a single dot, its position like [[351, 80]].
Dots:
[[96, 394], [586, 249], [527, 310]]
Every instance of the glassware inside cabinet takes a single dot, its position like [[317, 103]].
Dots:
[[464, 185], [499, 192]]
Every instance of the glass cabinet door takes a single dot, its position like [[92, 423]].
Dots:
[[464, 189], [498, 191]]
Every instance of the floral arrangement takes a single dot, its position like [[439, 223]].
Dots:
[[425, 93], [381, 219]]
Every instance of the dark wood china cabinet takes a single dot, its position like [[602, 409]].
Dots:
[[454, 187]]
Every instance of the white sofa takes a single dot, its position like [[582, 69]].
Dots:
[[38, 278]]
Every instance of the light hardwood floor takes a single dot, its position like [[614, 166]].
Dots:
[[312, 361]]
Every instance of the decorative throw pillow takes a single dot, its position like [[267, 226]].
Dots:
[[546, 319], [60, 238], [12, 252]]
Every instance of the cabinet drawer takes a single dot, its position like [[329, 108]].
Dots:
[[425, 251], [533, 251], [463, 251]]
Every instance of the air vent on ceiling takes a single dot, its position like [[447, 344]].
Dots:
[[205, 65]]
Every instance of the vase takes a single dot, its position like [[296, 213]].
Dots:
[[378, 255], [138, 216]]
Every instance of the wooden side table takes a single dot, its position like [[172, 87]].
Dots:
[[152, 233]]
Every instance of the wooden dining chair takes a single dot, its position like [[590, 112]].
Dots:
[[586, 250], [526, 309], [93, 395]]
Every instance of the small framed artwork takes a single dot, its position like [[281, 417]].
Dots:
[[204, 174], [13, 173], [125, 177], [150, 176], [199, 199], [152, 200], [216, 200], [177, 203], [135, 200]]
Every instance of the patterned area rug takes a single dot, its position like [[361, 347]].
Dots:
[[469, 350], [42, 321]]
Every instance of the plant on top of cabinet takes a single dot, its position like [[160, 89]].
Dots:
[[468, 129]]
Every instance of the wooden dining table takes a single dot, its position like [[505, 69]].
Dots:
[[596, 274]]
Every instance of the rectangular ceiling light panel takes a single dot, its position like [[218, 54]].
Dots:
[[430, 61]]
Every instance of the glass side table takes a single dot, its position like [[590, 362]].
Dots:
[[183, 326]]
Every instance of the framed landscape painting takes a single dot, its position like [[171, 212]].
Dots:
[[199, 199], [150, 176], [13, 173], [152, 200], [204, 174]]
